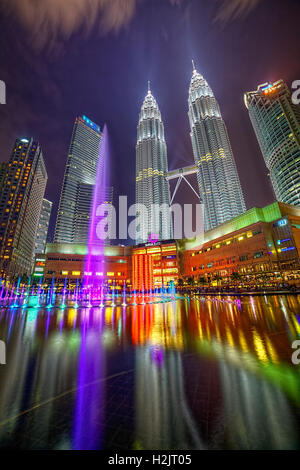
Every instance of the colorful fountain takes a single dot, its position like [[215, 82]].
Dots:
[[93, 291], [50, 296]]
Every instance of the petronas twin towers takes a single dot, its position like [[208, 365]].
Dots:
[[218, 180], [151, 169]]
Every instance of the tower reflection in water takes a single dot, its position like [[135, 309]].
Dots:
[[205, 373], [256, 413], [163, 417]]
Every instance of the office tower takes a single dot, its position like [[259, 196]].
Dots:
[[151, 168], [20, 207], [83, 210], [276, 122], [3, 169], [218, 179], [81, 168], [43, 226]]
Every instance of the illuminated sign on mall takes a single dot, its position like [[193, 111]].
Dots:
[[282, 223], [153, 238]]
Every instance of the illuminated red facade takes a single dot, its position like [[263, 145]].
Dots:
[[165, 261], [142, 272]]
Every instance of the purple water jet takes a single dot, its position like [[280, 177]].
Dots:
[[94, 261]]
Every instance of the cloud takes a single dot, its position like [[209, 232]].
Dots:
[[50, 22], [235, 9]]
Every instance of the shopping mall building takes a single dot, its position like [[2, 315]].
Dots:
[[140, 267], [262, 246]]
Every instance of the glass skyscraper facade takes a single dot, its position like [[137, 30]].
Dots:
[[20, 207], [152, 188], [80, 172], [276, 122], [3, 169], [218, 179], [43, 226], [83, 210]]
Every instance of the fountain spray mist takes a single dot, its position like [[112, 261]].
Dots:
[[94, 262]]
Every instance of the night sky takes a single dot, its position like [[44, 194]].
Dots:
[[105, 77]]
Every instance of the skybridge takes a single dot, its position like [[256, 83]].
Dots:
[[181, 174]]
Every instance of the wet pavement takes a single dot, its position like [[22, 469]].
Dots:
[[209, 373]]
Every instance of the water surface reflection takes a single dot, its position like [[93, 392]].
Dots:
[[195, 374]]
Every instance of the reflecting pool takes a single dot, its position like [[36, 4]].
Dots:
[[198, 373]]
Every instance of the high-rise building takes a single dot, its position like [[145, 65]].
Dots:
[[218, 179], [43, 226], [83, 210], [81, 168], [20, 207], [276, 122], [3, 169], [151, 168], [82, 214]]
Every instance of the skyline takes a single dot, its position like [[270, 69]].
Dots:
[[157, 306], [115, 70]]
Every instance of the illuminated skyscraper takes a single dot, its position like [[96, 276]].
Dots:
[[43, 226], [276, 122], [218, 179], [20, 207], [83, 210], [151, 168], [81, 168], [3, 169]]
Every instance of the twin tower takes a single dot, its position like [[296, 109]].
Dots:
[[218, 180]]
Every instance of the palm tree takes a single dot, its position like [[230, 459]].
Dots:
[[191, 281], [202, 281], [217, 278], [235, 277], [24, 279]]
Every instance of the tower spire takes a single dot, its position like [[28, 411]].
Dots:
[[194, 68], [149, 89]]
